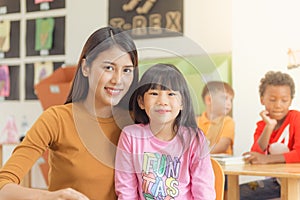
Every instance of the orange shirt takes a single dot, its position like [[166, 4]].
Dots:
[[216, 129], [80, 156]]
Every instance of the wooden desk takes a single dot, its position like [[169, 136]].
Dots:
[[289, 175]]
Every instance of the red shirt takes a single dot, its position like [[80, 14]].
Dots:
[[293, 119]]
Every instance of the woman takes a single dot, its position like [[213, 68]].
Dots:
[[82, 134]]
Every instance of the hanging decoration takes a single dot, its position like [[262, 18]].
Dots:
[[42, 70], [293, 59], [44, 33], [4, 81], [4, 35], [42, 1]]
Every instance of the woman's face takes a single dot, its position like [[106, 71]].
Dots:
[[110, 76]]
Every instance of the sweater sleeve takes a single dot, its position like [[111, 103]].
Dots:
[[201, 171], [126, 183]]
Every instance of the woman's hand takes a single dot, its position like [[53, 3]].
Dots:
[[64, 194], [8, 193]]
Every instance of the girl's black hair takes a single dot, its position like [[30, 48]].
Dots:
[[165, 77], [100, 41]]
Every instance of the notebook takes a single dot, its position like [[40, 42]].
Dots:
[[226, 159]]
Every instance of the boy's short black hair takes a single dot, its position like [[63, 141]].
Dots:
[[276, 79]]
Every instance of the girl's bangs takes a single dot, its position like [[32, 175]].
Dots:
[[167, 81]]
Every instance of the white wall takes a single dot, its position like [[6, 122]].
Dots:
[[83, 18], [209, 24], [263, 30]]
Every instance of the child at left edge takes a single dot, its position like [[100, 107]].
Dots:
[[164, 155]]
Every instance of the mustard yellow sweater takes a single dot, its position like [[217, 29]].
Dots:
[[80, 155]]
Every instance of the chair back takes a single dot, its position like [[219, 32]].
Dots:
[[219, 179]]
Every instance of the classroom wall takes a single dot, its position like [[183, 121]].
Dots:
[[201, 26]]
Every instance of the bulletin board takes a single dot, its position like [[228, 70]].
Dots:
[[21, 55]]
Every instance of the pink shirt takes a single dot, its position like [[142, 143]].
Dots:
[[149, 168]]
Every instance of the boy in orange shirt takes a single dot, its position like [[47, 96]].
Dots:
[[215, 122]]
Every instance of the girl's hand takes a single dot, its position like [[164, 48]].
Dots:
[[64, 194], [255, 158], [267, 119]]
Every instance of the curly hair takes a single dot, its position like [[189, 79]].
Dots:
[[276, 79]]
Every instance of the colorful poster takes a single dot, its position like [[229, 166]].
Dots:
[[42, 70], [42, 1], [44, 28], [4, 35], [4, 81]]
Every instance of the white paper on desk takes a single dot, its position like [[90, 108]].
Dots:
[[229, 159], [220, 155]]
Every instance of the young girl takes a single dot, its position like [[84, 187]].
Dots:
[[277, 136], [164, 155]]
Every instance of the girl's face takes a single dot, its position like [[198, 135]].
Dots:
[[110, 76], [277, 100], [161, 106]]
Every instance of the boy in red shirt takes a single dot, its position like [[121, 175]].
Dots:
[[277, 136]]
